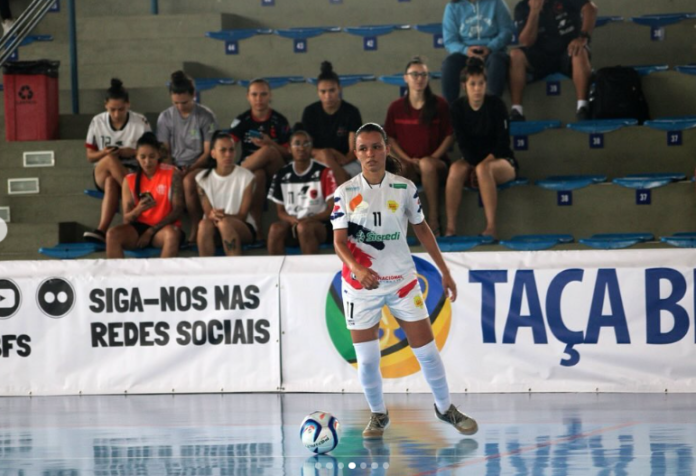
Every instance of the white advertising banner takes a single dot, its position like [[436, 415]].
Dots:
[[139, 326], [558, 321]]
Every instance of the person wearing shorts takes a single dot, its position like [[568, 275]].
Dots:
[[226, 191], [554, 36], [481, 125], [303, 193], [370, 217], [153, 201]]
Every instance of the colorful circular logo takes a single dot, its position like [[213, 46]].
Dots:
[[398, 359]]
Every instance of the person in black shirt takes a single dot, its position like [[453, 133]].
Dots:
[[480, 124], [554, 36], [264, 134], [333, 122]]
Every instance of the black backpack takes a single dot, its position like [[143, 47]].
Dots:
[[617, 94]]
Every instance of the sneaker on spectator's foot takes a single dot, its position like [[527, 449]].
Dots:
[[457, 419], [515, 116], [94, 236], [583, 114], [7, 26], [375, 428]]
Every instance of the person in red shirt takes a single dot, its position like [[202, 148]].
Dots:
[[153, 201], [420, 133]]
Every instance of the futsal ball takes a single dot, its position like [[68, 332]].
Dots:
[[319, 432]]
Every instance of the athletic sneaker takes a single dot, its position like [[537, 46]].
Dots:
[[7, 26], [457, 419], [94, 236], [375, 428], [583, 114], [515, 116]]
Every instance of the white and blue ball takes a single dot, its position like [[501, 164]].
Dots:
[[319, 432]]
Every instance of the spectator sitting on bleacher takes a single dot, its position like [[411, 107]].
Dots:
[[185, 130], [476, 28], [226, 191], [481, 125], [420, 134], [264, 134], [332, 122], [303, 193], [554, 37], [153, 201], [110, 144]]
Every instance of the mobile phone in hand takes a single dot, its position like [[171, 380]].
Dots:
[[254, 134], [144, 195]]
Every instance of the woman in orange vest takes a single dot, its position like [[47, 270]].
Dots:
[[153, 201]]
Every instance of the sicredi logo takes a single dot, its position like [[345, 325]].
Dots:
[[398, 359]]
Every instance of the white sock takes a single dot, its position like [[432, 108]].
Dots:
[[434, 372], [518, 108], [369, 374], [583, 103]]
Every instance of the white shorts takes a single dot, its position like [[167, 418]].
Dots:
[[363, 310]]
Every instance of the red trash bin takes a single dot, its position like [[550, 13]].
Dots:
[[31, 100]]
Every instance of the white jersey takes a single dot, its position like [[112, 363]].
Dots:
[[102, 134], [377, 218], [227, 192]]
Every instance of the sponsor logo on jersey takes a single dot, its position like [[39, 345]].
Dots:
[[393, 206], [313, 194], [357, 204], [398, 185], [352, 189], [418, 301], [392, 278], [161, 189], [371, 236]]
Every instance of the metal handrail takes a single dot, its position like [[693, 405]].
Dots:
[[27, 21]]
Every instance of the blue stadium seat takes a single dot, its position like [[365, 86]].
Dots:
[[528, 128], [462, 243], [348, 79], [374, 30], [535, 242], [602, 21], [430, 28], [503, 186], [237, 35], [398, 78], [615, 241], [210, 83], [661, 20], [565, 183], [35, 38], [98, 194], [681, 240], [644, 70], [275, 81], [72, 250], [686, 69], [677, 123], [306, 33], [149, 252], [601, 126], [647, 181]]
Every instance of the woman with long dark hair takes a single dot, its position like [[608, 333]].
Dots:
[[419, 130], [153, 201], [482, 129], [370, 219]]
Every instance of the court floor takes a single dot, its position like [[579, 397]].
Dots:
[[258, 434]]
